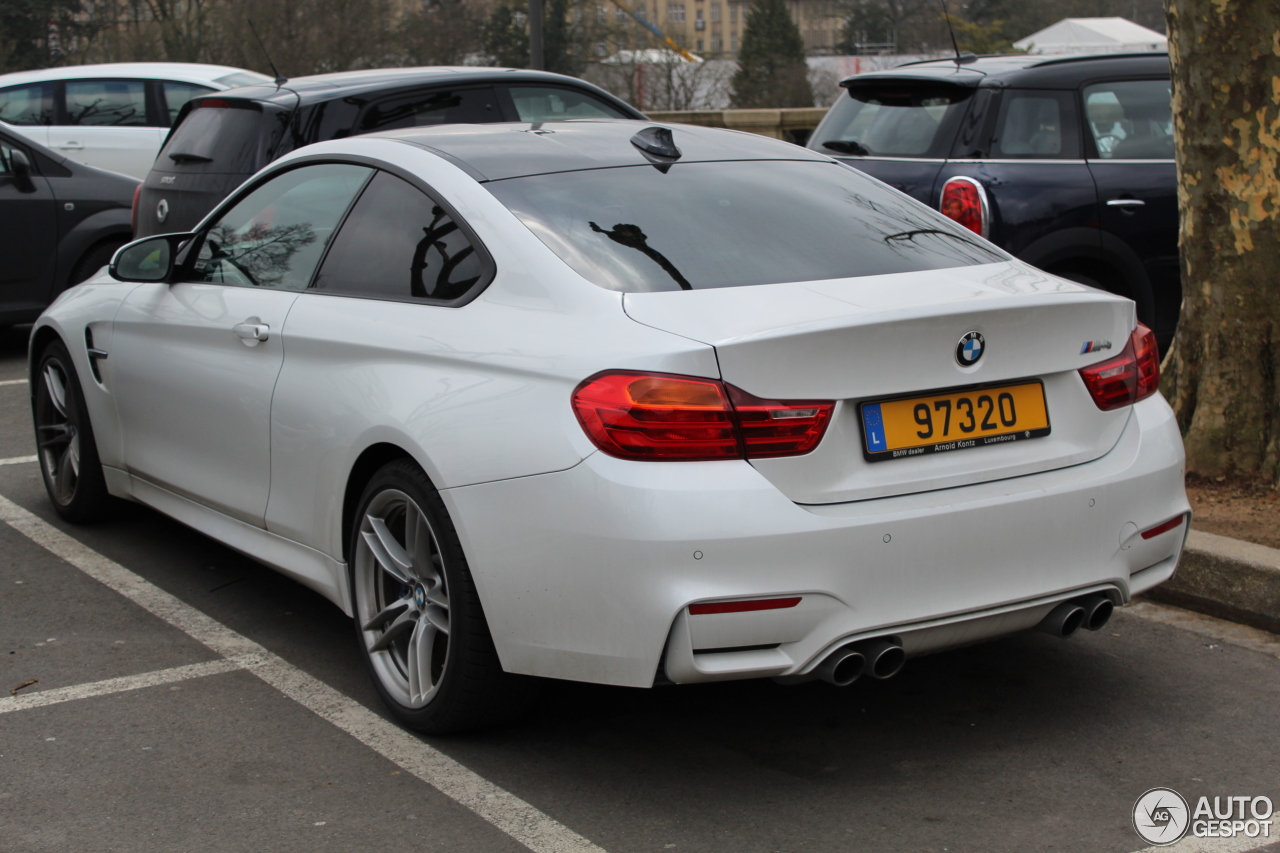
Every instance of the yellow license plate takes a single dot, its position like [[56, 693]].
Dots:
[[953, 420]]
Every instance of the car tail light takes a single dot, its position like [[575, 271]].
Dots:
[[133, 211], [965, 201], [1131, 376], [659, 416], [778, 428], [214, 102]]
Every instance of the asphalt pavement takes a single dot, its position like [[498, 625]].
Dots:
[[194, 700]]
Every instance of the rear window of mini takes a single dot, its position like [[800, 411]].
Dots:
[[697, 226], [895, 120]]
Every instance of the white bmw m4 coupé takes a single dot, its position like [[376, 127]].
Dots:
[[618, 403]]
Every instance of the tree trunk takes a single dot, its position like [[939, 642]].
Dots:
[[1221, 375]]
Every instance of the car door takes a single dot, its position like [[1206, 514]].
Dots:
[[28, 234], [376, 327], [1033, 172], [195, 362], [1130, 151], [106, 123]]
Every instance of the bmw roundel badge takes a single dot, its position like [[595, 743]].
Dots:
[[970, 349]]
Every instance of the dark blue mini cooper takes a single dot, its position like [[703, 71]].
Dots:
[[1066, 162]]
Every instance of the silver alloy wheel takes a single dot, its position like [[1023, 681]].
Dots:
[[56, 431], [401, 598]]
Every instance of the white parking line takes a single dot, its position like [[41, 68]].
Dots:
[[18, 460], [1239, 844], [13, 382], [115, 685], [502, 809]]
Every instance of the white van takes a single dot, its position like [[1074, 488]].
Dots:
[[114, 116]]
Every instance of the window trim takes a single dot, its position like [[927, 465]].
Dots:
[[489, 269], [150, 103], [1072, 120], [183, 267], [357, 128], [513, 114], [51, 90], [1090, 149]]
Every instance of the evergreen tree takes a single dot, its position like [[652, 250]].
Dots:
[[37, 33], [771, 67]]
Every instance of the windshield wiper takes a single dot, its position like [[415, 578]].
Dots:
[[180, 157], [847, 146]]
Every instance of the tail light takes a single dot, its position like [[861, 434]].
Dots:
[[658, 416], [965, 201], [1131, 376], [133, 211]]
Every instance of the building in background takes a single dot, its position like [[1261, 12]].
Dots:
[[1093, 35]]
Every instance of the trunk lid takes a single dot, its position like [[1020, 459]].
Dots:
[[871, 338]]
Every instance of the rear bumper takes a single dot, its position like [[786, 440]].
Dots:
[[586, 574]]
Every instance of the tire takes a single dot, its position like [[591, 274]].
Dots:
[[93, 260], [418, 619], [66, 448]]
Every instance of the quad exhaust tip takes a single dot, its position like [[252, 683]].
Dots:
[[878, 658], [1090, 612]]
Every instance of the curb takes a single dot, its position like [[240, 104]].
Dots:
[[1227, 578]]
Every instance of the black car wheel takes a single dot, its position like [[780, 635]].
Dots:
[[93, 260], [418, 618], [64, 438]]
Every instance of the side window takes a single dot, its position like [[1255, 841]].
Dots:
[[32, 104], [399, 243], [177, 94], [548, 103], [275, 236], [1131, 119], [119, 103], [432, 107], [1036, 125]]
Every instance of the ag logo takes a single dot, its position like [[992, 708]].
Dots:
[[1161, 816], [970, 349], [162, 210]]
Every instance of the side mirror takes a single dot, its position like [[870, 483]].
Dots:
[[21, 165], [147, 260]]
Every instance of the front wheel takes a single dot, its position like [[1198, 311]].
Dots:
[[64, 440], [417, 614]]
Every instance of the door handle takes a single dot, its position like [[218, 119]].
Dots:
[[251, 331], [1126, 202], [71, 146]]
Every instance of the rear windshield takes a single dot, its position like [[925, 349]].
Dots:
[[220, 140], [892, 122], [723, 224]]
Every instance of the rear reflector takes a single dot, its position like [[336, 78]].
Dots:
[[743, 606], [662, 417], [965, 201], [1152, 532], [1131, 376]]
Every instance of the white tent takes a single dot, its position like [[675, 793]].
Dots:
[[1093, 35]]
